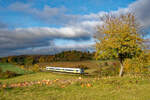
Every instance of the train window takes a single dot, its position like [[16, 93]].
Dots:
[[69, 70]]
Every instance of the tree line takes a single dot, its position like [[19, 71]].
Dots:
[[63, 56]]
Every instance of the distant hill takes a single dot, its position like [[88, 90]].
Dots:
[[63, 56]]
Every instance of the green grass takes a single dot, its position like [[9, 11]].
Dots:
[[36, 77], [106, 88], [13, 68]]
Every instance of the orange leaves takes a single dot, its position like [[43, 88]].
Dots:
[[25, 84], [4, 85], [55, 80], [86, 85], [61, 83], [63, 86]]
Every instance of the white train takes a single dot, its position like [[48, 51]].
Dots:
[[68, 70]]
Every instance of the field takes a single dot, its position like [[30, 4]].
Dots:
[[89, 64], [10, 67], [59, 86]]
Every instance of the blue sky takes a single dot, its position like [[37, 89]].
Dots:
[[61, 24], [75, 7]]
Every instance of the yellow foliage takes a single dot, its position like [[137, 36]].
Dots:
[[29, 60], [22, 67], [41, 59], [10, 59], [119, 37], [137, 65], [35, 68], [127, 64]]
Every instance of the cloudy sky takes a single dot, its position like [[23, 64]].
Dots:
[[50, 26]]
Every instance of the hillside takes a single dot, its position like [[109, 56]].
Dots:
[[72, 87], [63, 56]]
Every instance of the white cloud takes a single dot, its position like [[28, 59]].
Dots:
[[47, 14], [77, 27], [60, 16], [141, 8], [26, 38], [51, 49], [64, 32]]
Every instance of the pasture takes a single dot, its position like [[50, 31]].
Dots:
[[91, 64], [10, 67], [62, 86]]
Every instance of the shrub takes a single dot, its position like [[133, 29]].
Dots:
[[36, 68], [8, 74], [108, 68], [136, 65], [22, 67]]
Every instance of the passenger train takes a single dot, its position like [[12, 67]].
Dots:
[[68, 70]]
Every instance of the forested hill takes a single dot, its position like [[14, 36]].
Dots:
[[63, 56]]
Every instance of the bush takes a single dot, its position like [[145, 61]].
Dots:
[[36, 68], [22, 67], [108, 68], [8, 74], [135, 66]]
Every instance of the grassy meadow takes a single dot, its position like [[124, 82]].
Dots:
[[14, 68], [62, 86]]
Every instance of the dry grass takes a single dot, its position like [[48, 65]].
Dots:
[[89, 64]]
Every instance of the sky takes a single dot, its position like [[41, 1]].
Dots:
[[51, 26]]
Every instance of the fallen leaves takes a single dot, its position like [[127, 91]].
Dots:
[[62, 83], [25, 84], [86, 85]]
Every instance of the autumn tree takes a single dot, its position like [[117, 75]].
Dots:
[[28, 60], [41, 59], [10, 59], [118, 37], [3, 60]]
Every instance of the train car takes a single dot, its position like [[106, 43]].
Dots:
[[67, 70]]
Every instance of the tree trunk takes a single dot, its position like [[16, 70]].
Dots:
[[121, 69]]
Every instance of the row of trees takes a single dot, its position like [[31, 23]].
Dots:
[[63, 56]]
